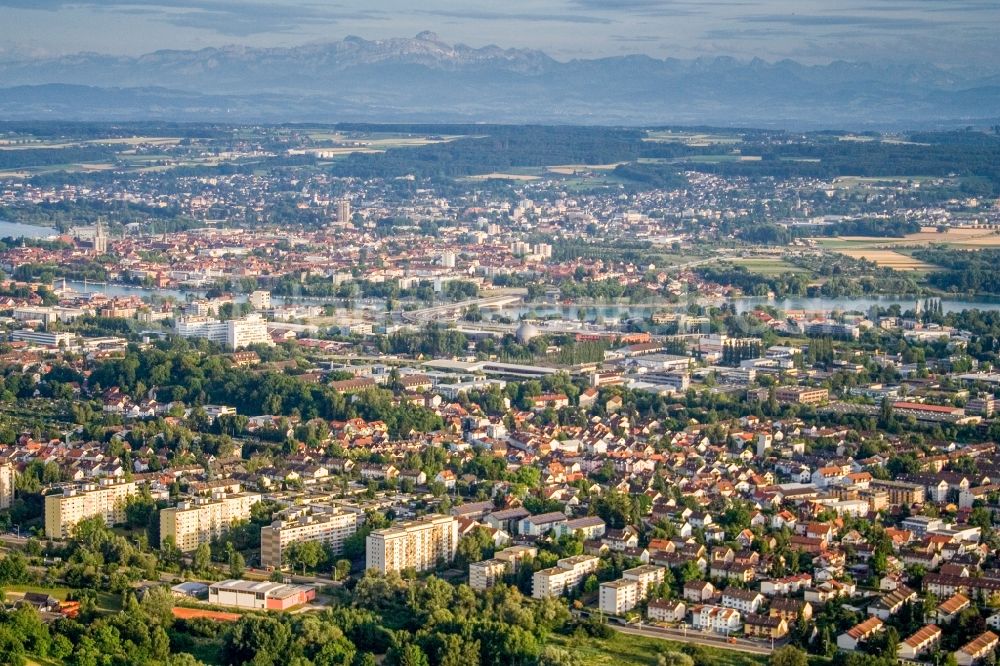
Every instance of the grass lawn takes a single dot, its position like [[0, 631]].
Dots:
[[105, 600], [629, 650], [39, 661]]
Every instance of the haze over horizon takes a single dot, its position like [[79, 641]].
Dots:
[[945, 33]]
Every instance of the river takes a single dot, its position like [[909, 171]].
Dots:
[[18, 230], [948, 304], [745, 304], [608, 311]]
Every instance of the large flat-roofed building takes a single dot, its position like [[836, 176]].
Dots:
[[200, 520], [52, 339], [105, 499], [495, 368], [900, 492], [567, 574], [47, 314], [929, 413], [801, 395], [417, 544], [330, 526], [255, 595]]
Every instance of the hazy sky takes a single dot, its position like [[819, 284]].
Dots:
[[948, 32]]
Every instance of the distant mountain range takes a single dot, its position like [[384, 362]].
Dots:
[[424, 79]]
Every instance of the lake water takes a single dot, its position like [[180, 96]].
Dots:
[[18, 230]]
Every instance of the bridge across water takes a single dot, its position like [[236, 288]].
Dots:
[[452, 311]]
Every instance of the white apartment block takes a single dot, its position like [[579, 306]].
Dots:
[[105, 500], [199, 326], [716, 618], [417, 544], [6, 485], [618, 596], [198, 521], [486, 574], [567, 574], [624, 594], [250, 330], [745, 601], [233, 334], [646, 576], [331, 526]]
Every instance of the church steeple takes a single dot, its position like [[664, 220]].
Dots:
[[100, 239]]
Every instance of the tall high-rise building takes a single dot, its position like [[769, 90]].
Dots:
[[6, 485], [105, 499], [331, 526], [201, 520], [260, 299], [344, 210], [417, 544]]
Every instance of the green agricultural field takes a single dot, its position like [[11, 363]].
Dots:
[[768, 265], [692, 138]]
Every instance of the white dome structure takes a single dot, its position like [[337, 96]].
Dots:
[[525, 332]]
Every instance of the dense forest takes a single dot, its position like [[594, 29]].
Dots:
[[38, 157], [497, 148], [971, 156], [966, 270], [975, 156]]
